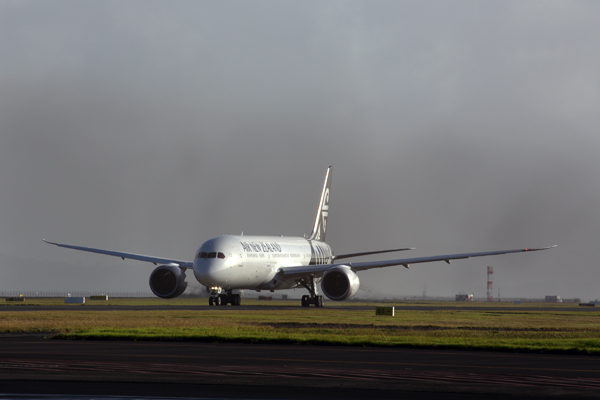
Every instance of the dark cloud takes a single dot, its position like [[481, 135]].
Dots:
[[151, 127]]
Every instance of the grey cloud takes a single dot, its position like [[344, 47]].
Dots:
[[150, 127]]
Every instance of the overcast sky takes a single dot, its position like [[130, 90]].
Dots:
[[150, 127]]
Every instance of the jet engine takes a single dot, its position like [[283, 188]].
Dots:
[[168, 281], [340, 283]]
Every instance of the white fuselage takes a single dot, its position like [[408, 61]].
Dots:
[[252, 262]]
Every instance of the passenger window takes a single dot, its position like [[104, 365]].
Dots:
[[221, 255], [212, 254]]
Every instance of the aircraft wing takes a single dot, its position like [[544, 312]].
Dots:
[[131, 256], [319, 270], [368, 253]]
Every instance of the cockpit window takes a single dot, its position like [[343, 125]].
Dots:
[[212, 254]]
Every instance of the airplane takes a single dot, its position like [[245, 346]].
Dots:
[[237, 262]]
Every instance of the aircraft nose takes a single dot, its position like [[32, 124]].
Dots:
[[208, 271]]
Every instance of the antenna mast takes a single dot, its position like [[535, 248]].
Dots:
[[490, 271]]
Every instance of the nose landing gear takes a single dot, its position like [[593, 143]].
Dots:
[[222, 299]]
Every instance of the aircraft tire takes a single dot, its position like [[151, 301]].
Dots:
[[224, 299], [305, 301], [237, 300], [320, 301], [217, 300], [211, 301]]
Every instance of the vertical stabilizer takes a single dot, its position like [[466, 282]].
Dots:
[[320, 227]]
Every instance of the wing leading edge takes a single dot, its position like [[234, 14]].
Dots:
[[131, 256], [319, 270]]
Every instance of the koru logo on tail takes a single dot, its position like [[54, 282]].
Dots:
[[324, 214]]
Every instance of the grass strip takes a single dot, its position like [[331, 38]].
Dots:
[[523, 341], [550, 330]]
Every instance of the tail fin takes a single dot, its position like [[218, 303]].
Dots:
[[320, 227]]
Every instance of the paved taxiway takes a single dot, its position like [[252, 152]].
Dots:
[[293, 306], [29, 363]]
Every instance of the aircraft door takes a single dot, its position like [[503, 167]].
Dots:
[[238, 254]]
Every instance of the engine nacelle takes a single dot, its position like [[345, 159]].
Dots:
[[340, 283], [168, 281]]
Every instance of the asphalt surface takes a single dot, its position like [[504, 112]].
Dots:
[[292, 306], [32, 364]]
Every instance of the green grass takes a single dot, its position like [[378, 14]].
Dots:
[[557, 341], [551, 329]]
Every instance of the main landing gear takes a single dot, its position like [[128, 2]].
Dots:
[[222, 299], [316, 300], [313, 298]]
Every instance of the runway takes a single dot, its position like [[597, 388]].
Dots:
[[292, 306], [29, 363]]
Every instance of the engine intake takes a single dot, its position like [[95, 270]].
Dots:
[[168, 281], [340, 283]]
